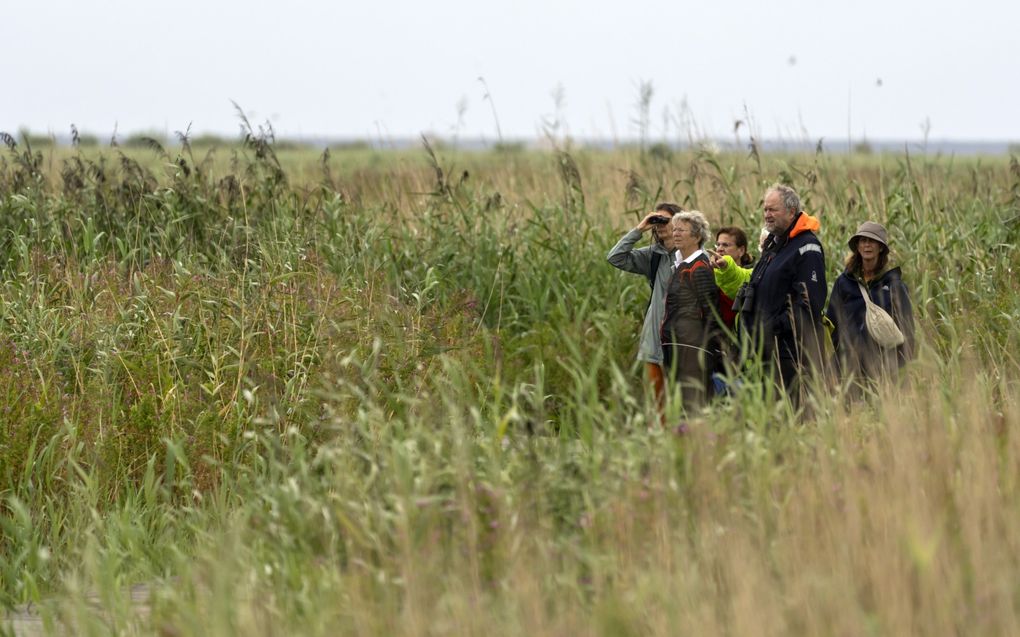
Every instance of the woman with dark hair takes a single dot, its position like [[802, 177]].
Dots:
[[868, 271], [655, 262], [731, 265], [690, 326], [732, 268], [732, 241]]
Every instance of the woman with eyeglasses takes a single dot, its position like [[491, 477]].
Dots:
[[731, 264], [690, 328]]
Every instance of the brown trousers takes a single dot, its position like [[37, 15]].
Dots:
[[690, 362]]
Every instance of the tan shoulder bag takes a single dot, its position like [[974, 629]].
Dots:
[[881, 326]]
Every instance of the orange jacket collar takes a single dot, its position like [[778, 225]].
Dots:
[[804, 223]]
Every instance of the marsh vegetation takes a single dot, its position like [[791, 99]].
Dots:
[[377, 392]]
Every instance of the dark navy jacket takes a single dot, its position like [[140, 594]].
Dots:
[[787, 293], [855, 349]]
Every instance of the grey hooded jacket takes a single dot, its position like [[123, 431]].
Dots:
[[624, 256]]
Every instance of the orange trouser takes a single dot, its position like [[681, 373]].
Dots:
[[657, 380]]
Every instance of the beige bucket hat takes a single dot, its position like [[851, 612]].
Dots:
[[871, 230]]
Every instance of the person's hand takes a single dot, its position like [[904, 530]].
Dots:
[[646, 223], [716, 259]]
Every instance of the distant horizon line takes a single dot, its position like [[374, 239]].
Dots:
[[534, 142]]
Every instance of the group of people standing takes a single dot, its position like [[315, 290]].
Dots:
[[716, 311]]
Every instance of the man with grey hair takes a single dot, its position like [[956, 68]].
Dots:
[[781, 306]]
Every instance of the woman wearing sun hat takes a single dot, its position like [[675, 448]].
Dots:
[[869, 270]]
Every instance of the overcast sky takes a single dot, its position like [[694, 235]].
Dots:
[[395, 68]]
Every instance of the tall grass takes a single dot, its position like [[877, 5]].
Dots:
[[395, 394]]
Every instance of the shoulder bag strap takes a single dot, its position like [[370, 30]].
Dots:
[[654, 269], [865, 294]]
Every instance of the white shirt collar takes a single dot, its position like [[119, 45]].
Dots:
[[694, 255]]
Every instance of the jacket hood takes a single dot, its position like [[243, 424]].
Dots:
[[804, 223]]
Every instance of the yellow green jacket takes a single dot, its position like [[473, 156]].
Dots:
[[730, 278]]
